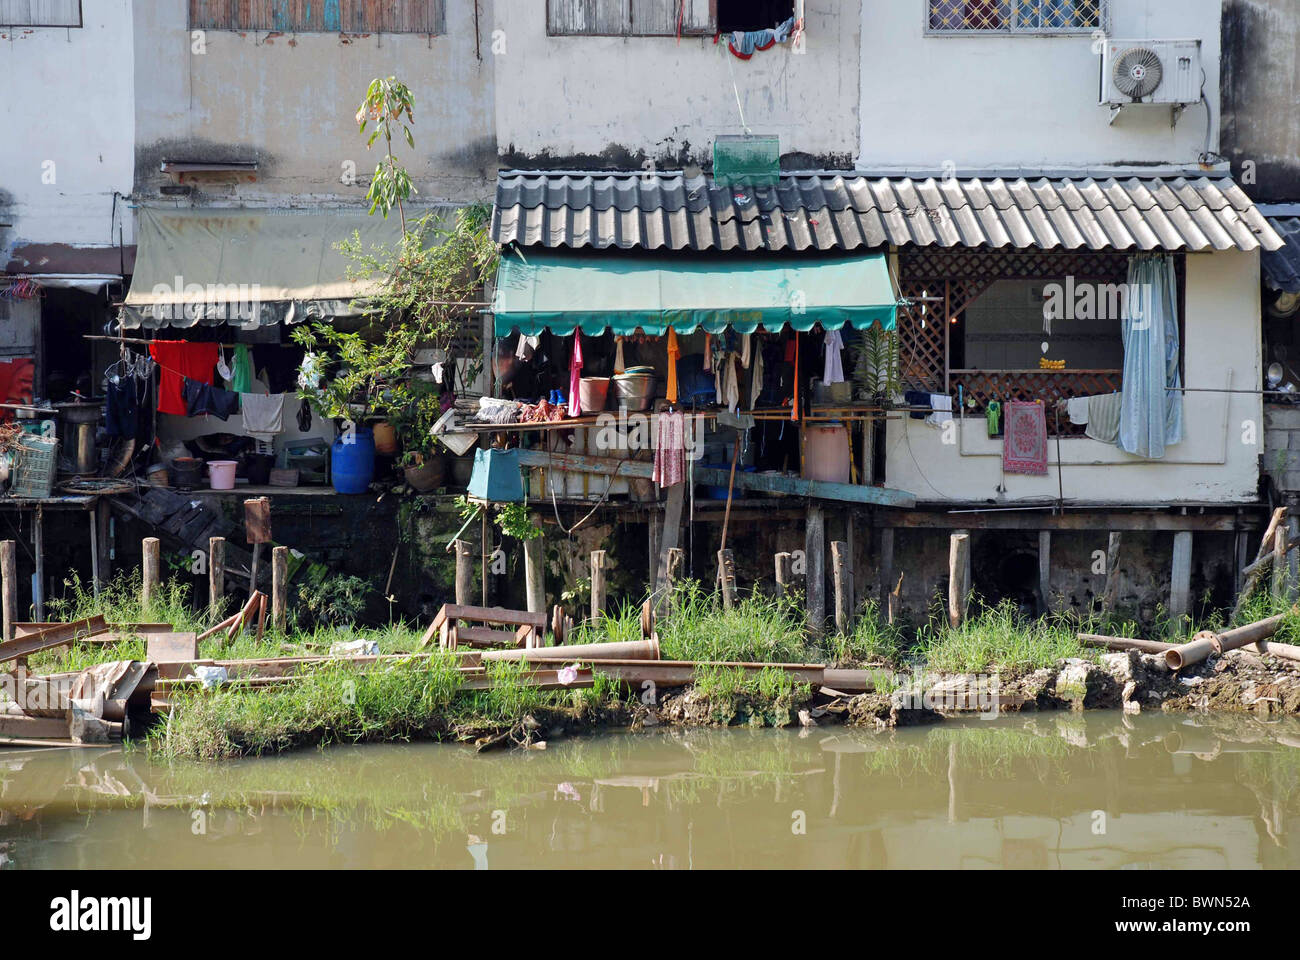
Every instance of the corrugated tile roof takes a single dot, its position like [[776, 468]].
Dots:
[[1281, 267], [832, 211]]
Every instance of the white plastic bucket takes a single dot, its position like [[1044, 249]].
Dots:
[[221, 474]]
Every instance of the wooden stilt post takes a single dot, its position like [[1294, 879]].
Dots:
[[1045, 570], [279, 588], [38, 541], [151, 567], [1111, 592], [842, 577], [597, 585], [9, 585], [1293, 556], [784, 577], [535, 572], [727, 578], [958, 577], [252, 573], [103, 542], [886, 569], [669, 537], [1242, 554], [465, 573], [216, 575], [94, 554], [1279, 561], [815, 564], [1180, 577]]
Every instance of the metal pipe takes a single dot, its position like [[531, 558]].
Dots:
[[1208, 642]]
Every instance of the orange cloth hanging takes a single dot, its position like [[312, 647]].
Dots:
[[674, 352]]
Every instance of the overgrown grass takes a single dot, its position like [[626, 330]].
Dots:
[[756, 629], [998, 638]]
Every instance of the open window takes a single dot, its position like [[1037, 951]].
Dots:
[[747, 15]]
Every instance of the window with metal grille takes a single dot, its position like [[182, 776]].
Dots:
[[1016, 16], [320, 16], [40, 13], [631, 18]]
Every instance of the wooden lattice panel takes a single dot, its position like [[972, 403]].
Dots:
[[981, 386]]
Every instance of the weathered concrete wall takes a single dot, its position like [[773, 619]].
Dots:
[[288, 102], [618, 103], [1021, 102], [1261, 87], [68, 107], [1218, 460]]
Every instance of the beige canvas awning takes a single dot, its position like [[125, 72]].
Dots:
[[247, 267]]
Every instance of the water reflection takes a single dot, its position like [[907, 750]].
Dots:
[[1037, 791]]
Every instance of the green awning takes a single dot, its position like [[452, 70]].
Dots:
[[545, 291]]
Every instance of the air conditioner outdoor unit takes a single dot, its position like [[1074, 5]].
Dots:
[[1146, 72]]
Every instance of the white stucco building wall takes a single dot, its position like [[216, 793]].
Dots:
[[1217, 461], [288, 102], [618, 102], [68, 113], [1016, 101]]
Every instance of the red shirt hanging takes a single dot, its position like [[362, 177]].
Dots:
[[179, 359]]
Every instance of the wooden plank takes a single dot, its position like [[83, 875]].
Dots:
[[769, 483], [515, 618], [33, 728], [55, 635], [842, 577]]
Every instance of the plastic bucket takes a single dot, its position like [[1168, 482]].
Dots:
[[221, 474]]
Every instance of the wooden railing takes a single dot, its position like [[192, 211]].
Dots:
[[981, 386]]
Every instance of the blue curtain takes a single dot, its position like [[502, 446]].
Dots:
[[1151, 410]]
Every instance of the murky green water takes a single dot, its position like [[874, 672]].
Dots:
[[1048, 790]]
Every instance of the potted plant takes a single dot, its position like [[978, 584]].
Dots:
[[422, 462]]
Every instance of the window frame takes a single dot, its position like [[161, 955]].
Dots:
[[342, 31], [1012, 30], [706, 31], [80, 24]]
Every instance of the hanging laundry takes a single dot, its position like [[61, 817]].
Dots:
[[794, 409], [1024, 448], [756, 380], [744, 43], [1103, 417], [575, 375], [242, 369], [833, 371], [730, 392], [708, 352], [745, 350], [526, 347], [1077, 410], [263, 414], [204, 398], [670, 450], [121, 408], [674, 352], [179, 360], [941, 404]]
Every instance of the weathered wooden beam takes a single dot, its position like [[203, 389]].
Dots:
[[53, 635], [1280, 541], [784, 573], [886, 567], [815, 564], [152, 567], [958, 578], [535, 574], [842, 578], [1111, 591], [279, 587], [727, 578], [1045, 570], [464, 572], [216, 575], [9, 585], [597, 585]]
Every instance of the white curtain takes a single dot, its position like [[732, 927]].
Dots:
[[1151, 411]]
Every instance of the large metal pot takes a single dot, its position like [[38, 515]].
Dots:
[[634, 391], [593, 392]]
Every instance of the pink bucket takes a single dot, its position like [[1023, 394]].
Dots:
[[221, 474]]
